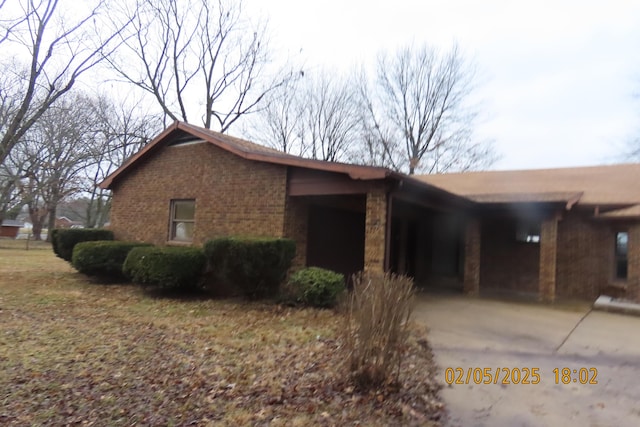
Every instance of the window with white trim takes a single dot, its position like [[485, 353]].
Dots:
[[183, 214]]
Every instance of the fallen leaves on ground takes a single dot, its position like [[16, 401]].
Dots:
[[74, 352]]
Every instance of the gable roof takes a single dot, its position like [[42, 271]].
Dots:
[[250, 151], [615, 185]]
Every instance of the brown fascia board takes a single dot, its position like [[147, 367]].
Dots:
[[354, 171], [574, 200], [439, 193], [108, 181]]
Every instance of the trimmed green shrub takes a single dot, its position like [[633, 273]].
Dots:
[[102, 257], [53, 238], [254, 266], [316, 287], [165, 267], [64, 240]]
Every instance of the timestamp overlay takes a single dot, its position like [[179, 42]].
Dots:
[[519, 375]]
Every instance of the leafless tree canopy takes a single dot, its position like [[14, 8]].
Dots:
[[53, 155], [413, 115], [121, 129], [52, 51], [200, 60], [417, 113], [314, 116]]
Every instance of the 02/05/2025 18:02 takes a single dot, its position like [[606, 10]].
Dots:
[[525, 376]]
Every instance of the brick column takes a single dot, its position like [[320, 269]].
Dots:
[[548, 251], [375, 230], [633, 263], [472, 257], [296, 226]]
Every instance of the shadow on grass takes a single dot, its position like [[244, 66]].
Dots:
[[110, 280], [179, 294]]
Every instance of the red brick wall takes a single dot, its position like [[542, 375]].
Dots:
[[375, 229], [585, 256], [296, 227], [233, 196], [10, 232], [504, 262]]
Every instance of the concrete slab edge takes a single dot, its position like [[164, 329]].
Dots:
[[611, 305]]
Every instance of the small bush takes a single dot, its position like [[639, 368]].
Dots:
[[255, 267], [167, 267], [102, 257], [376, 329], [64, 240], [316, 287]]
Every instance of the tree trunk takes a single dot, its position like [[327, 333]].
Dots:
[[37, 216], [52, 222]]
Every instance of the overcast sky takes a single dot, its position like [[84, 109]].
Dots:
[[558, 77]]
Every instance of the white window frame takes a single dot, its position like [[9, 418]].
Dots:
[[175, 222]]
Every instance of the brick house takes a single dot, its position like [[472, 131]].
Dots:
[[561, 233]]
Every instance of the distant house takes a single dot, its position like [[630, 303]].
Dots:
[[10, 228], [562, 233], [64, 222]]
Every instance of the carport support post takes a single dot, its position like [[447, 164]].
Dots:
[[472, 257], [375, 230], [633, 266], [548, 252]]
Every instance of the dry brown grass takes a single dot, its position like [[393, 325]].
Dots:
[[75, 352]]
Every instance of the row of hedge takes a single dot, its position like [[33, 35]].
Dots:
[[250, 267]]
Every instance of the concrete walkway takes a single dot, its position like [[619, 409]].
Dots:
[[480, 333]]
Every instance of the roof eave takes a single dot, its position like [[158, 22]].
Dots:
[[108, 181]]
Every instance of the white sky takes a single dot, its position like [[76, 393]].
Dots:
[[558, 78]]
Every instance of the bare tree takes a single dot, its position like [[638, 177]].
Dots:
[[196, 58], [315, 116], [331, 121], [418, 110], [278, 124], [57, 149], [58, 49], [12, 172], [122, 129], [377, 143]]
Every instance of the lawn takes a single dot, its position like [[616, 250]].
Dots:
[[75, 352]]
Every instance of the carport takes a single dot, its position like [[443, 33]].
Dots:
[[389, 223]]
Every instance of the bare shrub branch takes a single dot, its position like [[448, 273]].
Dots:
[[376, 329]]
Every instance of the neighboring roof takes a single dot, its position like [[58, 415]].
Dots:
[[615, 185], [12, 223], [626, 213], [570, 198], [250, 151]]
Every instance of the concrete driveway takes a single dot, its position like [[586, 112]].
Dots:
[[481, 333]]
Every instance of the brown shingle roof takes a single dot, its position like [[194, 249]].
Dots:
[[551, 197], [250, 151], [626, 213], [601, 185]]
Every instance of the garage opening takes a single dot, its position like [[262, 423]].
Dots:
[[428, 245], [336, 233]]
